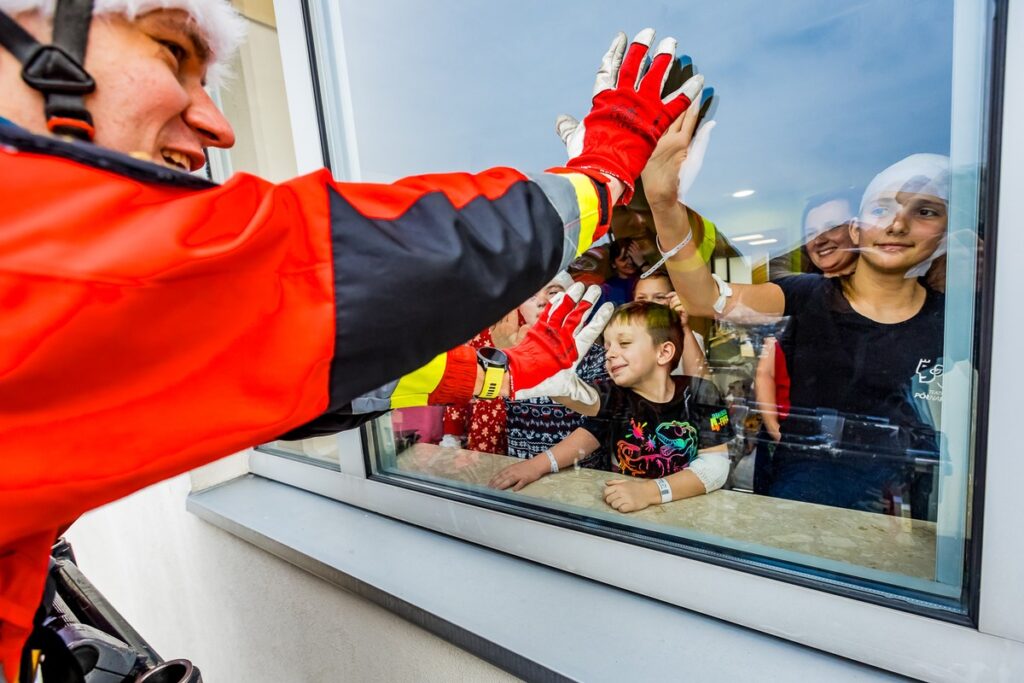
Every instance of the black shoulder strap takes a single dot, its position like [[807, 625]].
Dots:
[[56, 70]]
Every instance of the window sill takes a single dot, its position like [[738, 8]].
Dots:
[[533, 621]]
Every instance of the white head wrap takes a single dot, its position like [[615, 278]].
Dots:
[[218, 22], [919, 174]]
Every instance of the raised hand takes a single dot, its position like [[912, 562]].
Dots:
[[677, 160], [628, 114], [556, 343]]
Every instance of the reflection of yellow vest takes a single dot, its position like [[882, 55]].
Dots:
[[705, 232]]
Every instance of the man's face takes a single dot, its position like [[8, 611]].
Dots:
[[898, 231], [149, 98]]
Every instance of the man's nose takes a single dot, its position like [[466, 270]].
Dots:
[[203, 116]]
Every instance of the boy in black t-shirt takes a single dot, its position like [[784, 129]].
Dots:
[[669, 431]]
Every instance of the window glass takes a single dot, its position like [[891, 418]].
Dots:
[[839, 196], [255, 102]]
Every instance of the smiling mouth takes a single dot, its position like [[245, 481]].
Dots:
[[826, 251], [176, 160], [615, 368], [893, 247]]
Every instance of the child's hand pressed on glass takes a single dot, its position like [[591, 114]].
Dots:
[[520, 474]]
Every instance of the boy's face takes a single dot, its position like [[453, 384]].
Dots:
[[631, 356], [149, 97], [534, 306], [654, 289]]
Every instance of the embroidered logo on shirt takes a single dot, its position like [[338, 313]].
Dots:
[[719, 420]]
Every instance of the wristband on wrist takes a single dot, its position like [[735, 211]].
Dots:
[[724, 292], [666, 255], [551, 459], [666, 490]]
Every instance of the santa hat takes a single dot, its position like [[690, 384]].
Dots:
[[217, 21]]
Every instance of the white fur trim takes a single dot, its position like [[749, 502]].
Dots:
[[220, 24]]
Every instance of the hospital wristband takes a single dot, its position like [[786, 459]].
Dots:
[[551, 458], [666, 255], [666, 490]]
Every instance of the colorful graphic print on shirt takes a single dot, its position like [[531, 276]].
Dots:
[[650, 454]]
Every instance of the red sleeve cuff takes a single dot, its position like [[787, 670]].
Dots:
[[459, 378]]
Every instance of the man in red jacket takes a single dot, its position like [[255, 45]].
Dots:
[[155, 321]]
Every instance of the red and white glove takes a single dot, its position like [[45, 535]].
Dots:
[[556, 343], [628, 114]]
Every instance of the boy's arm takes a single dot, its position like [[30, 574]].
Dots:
[[705, 474], [578, 445]]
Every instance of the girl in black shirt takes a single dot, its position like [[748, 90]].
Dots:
[[864, 351]]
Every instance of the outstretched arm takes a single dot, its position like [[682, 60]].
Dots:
[[677, 224]]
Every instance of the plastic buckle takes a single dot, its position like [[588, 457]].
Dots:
[[49, 69]]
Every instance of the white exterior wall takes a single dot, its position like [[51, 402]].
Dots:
[[241, 614]]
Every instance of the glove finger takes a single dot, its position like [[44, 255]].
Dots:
[[590, 297], [574, 321], [556, 317], [554, 303], [688, 121], [565, 126], [593, 329], [571, 131], [610, 63], [654, 81], [634, 59], [677, 101]]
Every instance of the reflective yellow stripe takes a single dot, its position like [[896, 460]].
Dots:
[[414, 389], [590, 212]]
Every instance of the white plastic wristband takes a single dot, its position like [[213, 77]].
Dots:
[[666, 490], [551, 457], [666, 255]]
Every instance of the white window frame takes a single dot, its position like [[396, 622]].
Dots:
[[891, 639]]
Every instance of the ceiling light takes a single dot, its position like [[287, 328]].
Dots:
[[740, 194], [746, 238], [758, 242]]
